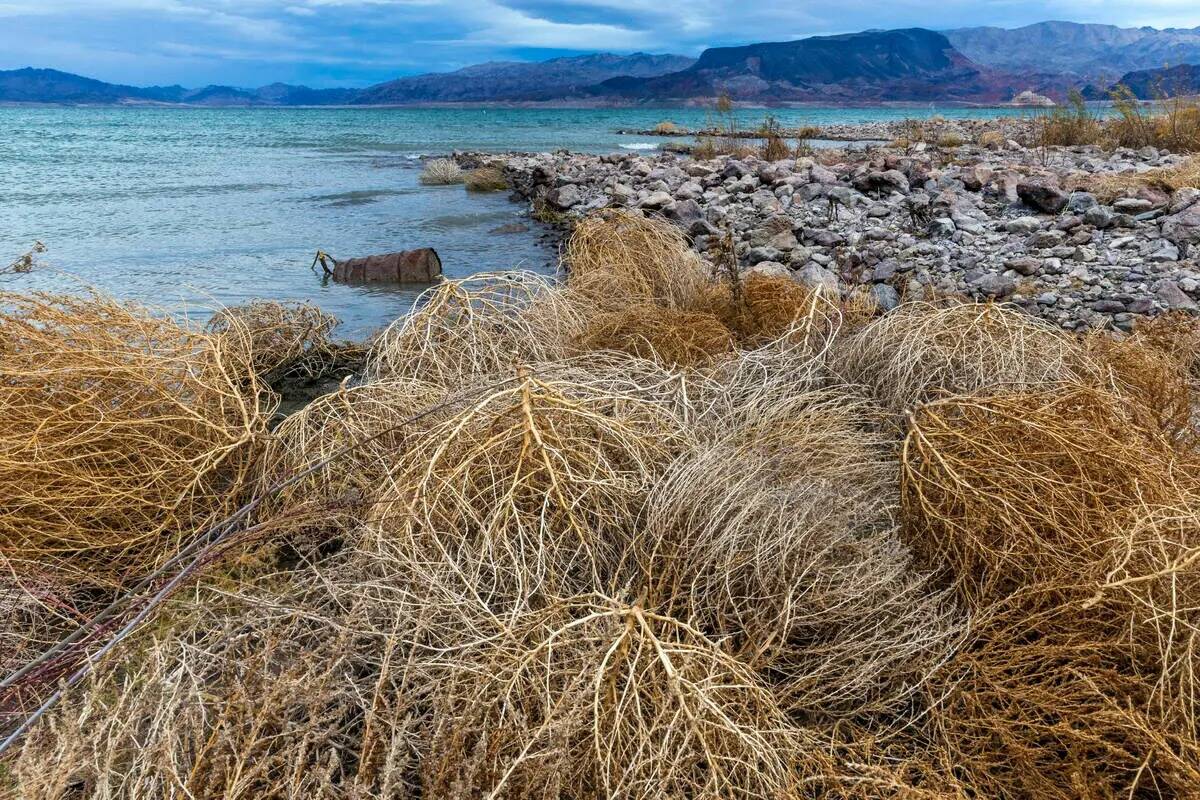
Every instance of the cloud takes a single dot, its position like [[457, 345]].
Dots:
[[338, 42]]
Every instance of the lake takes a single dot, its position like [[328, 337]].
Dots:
[[195, 208]]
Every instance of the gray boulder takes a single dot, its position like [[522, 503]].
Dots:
[[1043, 194]]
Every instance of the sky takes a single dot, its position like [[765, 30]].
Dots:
[[360, 42]]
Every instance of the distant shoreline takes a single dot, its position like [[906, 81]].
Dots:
[[547, 106]]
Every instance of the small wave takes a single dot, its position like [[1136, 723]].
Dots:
[[639, 146]]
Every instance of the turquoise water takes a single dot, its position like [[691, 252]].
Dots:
[[191, 208]]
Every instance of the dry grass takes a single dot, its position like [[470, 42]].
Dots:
[[618, 258], [992, 140], [594, 697], [921, 351], [281, 341], [528, 492], [1115, 185], [486, 179], [374, 412], [123, 432], [550, 573], [776, 539], [667, 128], [1173, 125], [441, 172], [479, 326], [1019, 488], [669, 336]]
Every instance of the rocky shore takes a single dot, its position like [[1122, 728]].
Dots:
[[1082, 237]]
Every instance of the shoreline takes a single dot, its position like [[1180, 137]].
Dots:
[[1084, 238]]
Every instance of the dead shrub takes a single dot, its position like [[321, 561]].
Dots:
[[1111, 186], [1174, 124], [1068, 125], [992, 140], [281, 341], [233, 698], [593, 697], [776, 539], [1148, 376], [1053, 701], [1023, 488], [441, 172], [486, 179], [123, 433], [761, 308], [1175, 333], [618, 258], [528, 491], [482, 326], [670, 336], [920, 351], [774, 148], [364, 426]]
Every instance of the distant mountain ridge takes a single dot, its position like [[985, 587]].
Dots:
[[904, 64], [1151, 84], [1077, 51], [492, 82], [511, 81], [981, 65]]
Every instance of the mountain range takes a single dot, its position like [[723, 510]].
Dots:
[[982, 65], [1083, 53]]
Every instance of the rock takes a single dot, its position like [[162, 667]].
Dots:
[[1025, 266], [1082, 201], [1164, 252], [1032, 98], [684, 213], [784, 241], [657, 199], [1183, 227], [760, 254], [1184, 198], [1023, 225], [1098, 217], [823, 176], [941, 228], [770, 269], [817, 277], [1132, 205], [1043, 240], [690, 190], [1042, 194], [977, 176], [407, 266], [1107, 306], [1169, 293], [884, 270], [564, 197], [993, 284], [622, 194], [881, 181], [886, 296]]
